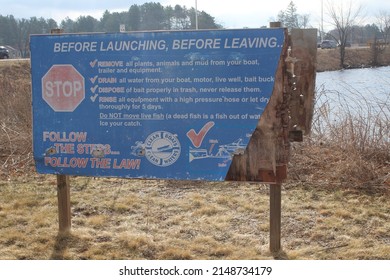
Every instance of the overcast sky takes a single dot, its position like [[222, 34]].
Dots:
[[229, 13]]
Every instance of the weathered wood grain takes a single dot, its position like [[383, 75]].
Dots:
[[290, 108]]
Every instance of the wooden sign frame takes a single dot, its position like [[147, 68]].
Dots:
[[286, 118]]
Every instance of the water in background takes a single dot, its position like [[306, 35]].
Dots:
[[360, 89], [355, 103]]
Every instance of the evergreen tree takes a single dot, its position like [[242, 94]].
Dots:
[[291, 19], [134, 18], [148, 16]]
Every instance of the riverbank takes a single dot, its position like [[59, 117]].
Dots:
[[329, 60]]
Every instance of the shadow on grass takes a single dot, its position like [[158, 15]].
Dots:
[[63, 242], [280, 255]]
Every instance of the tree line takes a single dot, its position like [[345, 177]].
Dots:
[[148, 16], [153, 16], [346, 18]]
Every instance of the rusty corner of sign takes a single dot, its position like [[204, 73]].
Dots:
[[268, 176]]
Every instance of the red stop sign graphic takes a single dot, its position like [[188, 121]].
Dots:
[[63, 88]]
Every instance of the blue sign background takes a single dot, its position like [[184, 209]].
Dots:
[[174, 105]]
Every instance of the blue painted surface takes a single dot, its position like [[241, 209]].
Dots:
[[174, 105]]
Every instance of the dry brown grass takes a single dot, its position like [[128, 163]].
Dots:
[[329, 60], [147, 219], [15, 116], [351, 139], [335, 204]]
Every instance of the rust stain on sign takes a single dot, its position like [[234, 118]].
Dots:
[[286, 118]]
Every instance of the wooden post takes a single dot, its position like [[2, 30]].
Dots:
[[63, 195], [275, 24], [63, 189], [275, 217]]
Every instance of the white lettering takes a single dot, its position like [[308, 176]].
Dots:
[[65, 47]]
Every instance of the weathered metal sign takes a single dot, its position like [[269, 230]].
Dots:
[[175, 105]]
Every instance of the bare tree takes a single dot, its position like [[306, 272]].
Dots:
[[383, 20], [344, 15], [378, 45]]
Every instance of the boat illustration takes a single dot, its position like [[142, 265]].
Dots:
[[225, 152], [235, 148]]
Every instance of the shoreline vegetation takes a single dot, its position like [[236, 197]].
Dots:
[[361, 57], [334, 203]]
